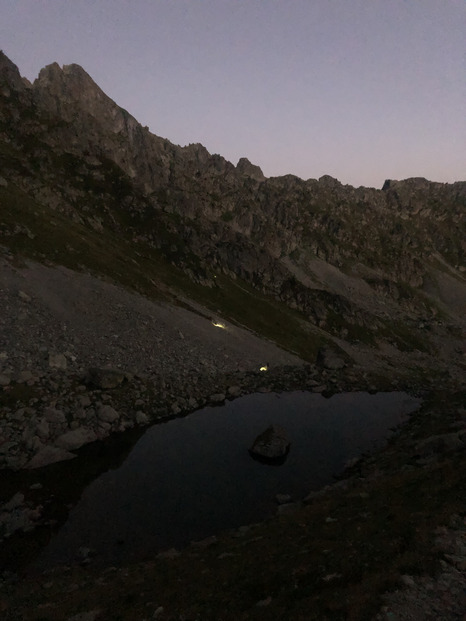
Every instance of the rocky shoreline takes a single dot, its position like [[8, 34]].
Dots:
[[47, 416], [59, 413]]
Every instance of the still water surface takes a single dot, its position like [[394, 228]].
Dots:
[[191, 477]]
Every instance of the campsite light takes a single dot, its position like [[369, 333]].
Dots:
[[219, 324]]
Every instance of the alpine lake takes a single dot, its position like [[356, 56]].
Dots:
[[134, 495]]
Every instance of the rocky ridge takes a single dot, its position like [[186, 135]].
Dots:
[[208, 217]]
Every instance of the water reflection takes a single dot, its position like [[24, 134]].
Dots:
[[191, 477]]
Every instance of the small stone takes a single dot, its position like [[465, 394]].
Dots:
[[43, 429], [126, 424], [283, 499], [15, 462], [312, 496], [217, 398], [84, 401], [171, 553], [24, 376], [330, 577], [264, 602], [142, 418], [352, 462], [205, 543], [4, 380], [106, 378], [53, 416], [107, 414], [6, 447], [175, 408], [83, 553], [289, 507], [36, 444], [408, 581], [24, 296], [57, 361], [92, 615], [226, 555]]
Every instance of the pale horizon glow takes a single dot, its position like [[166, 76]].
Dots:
[[362, 91]]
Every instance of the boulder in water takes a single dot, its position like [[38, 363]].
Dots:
[[272, 445]]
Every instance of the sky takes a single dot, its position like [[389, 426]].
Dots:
[[362, 90]]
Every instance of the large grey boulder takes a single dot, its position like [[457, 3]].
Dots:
[[73, 440], [49, 455], [271, 445]]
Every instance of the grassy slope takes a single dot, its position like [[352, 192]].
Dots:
[[96, 192], [49, 236]]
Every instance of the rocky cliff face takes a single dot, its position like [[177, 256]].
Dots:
[[354, 261]]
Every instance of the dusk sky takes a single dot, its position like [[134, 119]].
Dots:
[[363, 90]]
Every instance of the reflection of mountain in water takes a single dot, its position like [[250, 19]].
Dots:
[[62, 486]]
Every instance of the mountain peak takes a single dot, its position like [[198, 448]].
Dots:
[[68, 76], [9, 74], [245, 167], [61, 89]]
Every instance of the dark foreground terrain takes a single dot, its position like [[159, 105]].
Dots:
[[388, 541]]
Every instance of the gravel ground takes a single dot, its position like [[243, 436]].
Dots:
[[94, 323], [56, 324]]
